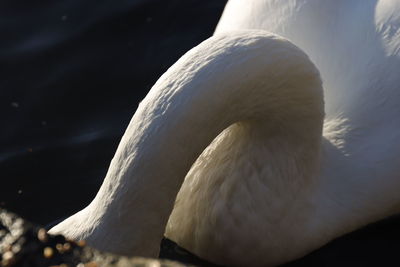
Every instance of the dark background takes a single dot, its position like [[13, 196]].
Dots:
[[71, 76]]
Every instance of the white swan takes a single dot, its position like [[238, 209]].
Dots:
[[276, 181]]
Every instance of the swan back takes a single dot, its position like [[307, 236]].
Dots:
[[354, 44], [356, 47]]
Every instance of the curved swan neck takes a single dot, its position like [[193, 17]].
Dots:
[[245, 77]]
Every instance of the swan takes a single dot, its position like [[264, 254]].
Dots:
[[256, 148]]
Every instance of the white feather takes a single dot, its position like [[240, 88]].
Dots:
[[237, 127]]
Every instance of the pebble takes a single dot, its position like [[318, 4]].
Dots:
[[67, 247], [8, 259], [48, 252], [42, 235], [60, 248], [81, 243], [91, 264]]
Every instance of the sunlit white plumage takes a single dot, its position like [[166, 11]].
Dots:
[[277, 180]]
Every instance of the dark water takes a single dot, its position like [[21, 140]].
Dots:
[[71, 76]]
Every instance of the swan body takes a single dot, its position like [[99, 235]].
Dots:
[[235, 134]]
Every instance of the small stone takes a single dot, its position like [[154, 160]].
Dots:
[[154, 264], [16, 248], [60, 248], [8, 255], [81, 243], [48, 252], [67, 247], [8, 259], [42, 235]]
